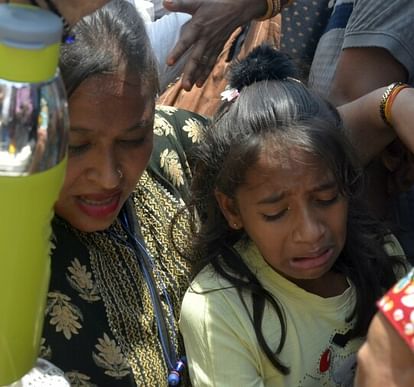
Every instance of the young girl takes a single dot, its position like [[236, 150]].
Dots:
[[292, 265]]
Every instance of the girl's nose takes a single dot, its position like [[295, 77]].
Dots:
[[308, 228]]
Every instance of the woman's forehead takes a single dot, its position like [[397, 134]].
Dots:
[[117, 84]]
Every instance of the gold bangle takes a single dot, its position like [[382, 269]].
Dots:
[[273, 8], [387, 100]]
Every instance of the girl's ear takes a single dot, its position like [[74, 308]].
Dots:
[[229, 209]]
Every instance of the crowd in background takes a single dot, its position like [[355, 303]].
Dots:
[[240, 189]]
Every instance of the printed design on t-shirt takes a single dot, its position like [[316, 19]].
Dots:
[[337, 362]]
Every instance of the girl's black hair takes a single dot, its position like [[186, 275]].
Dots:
[[274, 106], [111, 36]]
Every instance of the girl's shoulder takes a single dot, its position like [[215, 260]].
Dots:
[[209, 291], [209, 281]]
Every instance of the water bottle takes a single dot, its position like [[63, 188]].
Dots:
[[33, 142]]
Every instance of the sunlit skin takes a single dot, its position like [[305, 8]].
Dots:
[[295, 214], [110, 143], [385, 359]]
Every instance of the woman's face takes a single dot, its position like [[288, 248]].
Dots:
[[292, 209], [110, 143]]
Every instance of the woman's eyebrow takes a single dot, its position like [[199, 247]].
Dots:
[[325, 186], [144, 124], [79, 129], [139, 125]]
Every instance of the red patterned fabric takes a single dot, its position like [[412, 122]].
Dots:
[[398, 307]]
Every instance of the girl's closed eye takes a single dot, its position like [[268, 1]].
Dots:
[[276, 216]]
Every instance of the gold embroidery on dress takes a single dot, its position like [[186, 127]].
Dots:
[[123, 289], [193, 129], [170, 163], [45, 352], [64, 315], [109, 357], [81, 280], [169, 110], [162, 127], [77, 379]]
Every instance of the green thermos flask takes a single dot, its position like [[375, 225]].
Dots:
[[33, 142]]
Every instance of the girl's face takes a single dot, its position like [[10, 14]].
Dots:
[[293, 211], [110, 143]]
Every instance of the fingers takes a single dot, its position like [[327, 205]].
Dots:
[[205, 34], [180, 6], [199, 65], [189, 34]]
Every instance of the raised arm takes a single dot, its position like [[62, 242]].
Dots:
[[212, 23], [367, 129]]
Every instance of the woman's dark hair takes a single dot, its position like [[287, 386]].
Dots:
[[111, 37], [275, 108]]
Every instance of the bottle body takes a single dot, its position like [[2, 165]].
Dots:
[[33, 139], [26, 202]]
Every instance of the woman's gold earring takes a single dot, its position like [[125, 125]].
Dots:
[[121, 175]]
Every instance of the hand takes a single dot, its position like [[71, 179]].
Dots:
[[205, 34], [384, 359]]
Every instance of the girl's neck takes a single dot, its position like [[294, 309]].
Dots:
[[329, 285]]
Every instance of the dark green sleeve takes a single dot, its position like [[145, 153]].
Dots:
[[176, 131]]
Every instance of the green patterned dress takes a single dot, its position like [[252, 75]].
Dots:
[[99, 326]]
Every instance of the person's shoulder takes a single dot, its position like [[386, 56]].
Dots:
[[208, 280], [209, 301], [178, 125], [178, 116], [210, 288]]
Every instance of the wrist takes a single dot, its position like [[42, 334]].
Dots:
[[401, 117], [273, 7], [388, 99]]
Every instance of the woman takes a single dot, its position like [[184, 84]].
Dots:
[[116, 280]]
